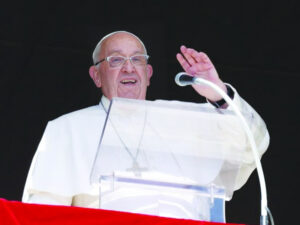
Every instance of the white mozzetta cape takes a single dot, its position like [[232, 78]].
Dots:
[[60, 170]]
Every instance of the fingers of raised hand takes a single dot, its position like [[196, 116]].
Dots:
[[183, 62], [192, 53], [188, 54], [204, 58], [194, 56], [192, 61]]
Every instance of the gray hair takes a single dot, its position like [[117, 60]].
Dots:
[[97, 50]]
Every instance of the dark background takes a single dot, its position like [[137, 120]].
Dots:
[[45, 53]]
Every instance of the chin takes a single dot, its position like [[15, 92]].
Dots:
[[131, 96]]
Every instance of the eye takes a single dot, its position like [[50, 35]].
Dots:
[[136, 58], [116, 59], [139, 59]]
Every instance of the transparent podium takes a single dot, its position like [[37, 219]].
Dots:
[[168, 158]]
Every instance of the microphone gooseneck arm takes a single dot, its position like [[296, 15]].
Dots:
[[182, 79]]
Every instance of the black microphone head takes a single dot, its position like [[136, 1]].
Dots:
[[184, 79]]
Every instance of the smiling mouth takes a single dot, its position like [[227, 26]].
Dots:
[[128, 81]]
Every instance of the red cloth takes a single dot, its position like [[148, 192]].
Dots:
[[17, 213]]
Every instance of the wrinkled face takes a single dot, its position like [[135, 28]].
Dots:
[[128, 80]]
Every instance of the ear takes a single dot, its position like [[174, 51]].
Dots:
[[149, 71], [94, 74]]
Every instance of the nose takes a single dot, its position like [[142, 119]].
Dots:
[[128, 67]]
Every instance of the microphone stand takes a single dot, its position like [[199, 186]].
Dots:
[[196, 80]]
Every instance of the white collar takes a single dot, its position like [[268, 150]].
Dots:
[[105, 102]]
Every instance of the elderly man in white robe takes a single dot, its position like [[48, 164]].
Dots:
[[61, 167]]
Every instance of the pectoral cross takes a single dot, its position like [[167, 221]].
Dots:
[[136, 169]]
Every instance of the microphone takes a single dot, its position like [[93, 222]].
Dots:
[[183, 79]]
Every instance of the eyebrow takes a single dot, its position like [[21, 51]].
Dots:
[[120, 52]]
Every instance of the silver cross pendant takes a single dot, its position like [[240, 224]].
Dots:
[[136, 169]]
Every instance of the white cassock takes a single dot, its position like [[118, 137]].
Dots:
[[61, 168]]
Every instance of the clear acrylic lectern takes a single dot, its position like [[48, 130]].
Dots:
[[168, 158]]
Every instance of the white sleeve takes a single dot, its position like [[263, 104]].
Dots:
[[261, 136], [43, 167], [61, 166], [47, 198]]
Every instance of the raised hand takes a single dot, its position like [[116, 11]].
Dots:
[[198, 64]]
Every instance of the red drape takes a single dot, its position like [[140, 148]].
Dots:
[[17, 213]]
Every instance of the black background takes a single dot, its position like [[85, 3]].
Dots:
[[45, 53]]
